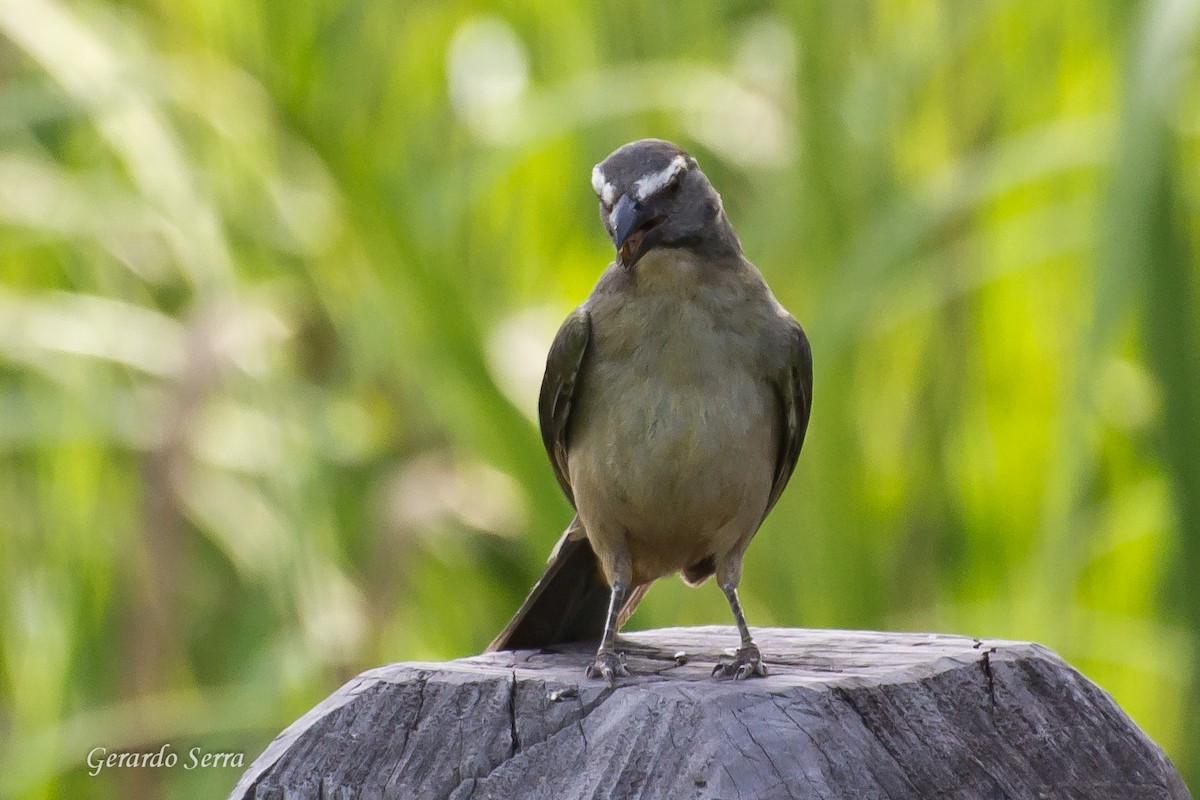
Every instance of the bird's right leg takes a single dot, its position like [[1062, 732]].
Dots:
[[610, 664], [747, 662]]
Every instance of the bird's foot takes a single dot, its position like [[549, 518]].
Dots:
[[608, 665], [747, 663]]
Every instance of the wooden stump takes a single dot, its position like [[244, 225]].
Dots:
[[842, 715]]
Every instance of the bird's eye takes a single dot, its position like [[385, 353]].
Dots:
[[673, 187]]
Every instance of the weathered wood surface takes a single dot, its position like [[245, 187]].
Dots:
[[842, 715]]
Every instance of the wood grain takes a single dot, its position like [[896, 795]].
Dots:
[[843, 714]]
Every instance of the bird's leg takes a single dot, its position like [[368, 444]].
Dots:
[[609, 663], [747, 662]]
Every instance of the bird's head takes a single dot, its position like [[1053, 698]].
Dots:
[[653, 195]]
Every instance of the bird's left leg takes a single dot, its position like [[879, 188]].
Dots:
[[747, 662], [610, 664]]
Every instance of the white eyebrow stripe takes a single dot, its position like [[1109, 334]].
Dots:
[[597, 179], [651, 182], [606, 191]]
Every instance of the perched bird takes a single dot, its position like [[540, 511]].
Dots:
[[673, 408]]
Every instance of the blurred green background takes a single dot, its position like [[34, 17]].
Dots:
[[277, 281]]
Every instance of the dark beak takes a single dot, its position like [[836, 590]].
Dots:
[[629, 227], [625, 217]]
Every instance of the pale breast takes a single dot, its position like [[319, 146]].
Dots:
[[674, 433]]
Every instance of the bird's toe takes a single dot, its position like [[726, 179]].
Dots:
[[746, 663], [608, 666]]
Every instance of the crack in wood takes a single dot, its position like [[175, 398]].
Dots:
[[774, 767], [514, 734], [989, 679]]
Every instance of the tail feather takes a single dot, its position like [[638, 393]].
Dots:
[[569, 602]]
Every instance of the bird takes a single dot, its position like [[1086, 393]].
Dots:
[[673, 408]]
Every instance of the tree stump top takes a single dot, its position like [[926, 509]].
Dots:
[[843, 714]]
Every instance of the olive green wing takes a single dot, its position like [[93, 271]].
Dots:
[[559, 384], [793, 386]]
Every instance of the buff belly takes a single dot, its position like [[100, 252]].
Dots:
[[671, 472]]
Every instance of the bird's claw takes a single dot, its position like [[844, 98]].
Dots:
[[608, 665], [747, 663]]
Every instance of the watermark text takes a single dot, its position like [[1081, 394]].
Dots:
[[101, 758]]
